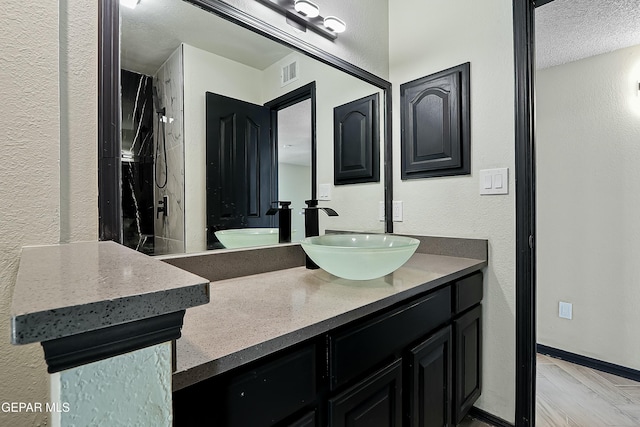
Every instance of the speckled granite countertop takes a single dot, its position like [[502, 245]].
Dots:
[[253, 316], [67, 289]]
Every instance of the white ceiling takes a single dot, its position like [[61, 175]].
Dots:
[[569, 30], [294, 134], [155, 28]]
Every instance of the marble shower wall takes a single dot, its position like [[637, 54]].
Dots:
[[169, 230], [137, 161]]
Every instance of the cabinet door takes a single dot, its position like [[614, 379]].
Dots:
[[429, 371], [374, 402], [468, 362], [308, 420]]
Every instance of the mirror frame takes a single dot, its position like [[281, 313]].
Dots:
[[109, 162]]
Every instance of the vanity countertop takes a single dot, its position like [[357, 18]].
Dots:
[[253, 316], [67, 289]]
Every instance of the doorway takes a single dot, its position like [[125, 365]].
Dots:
[[256, 156], [293, 130], [587, 207], [294, 161], [526, 189]]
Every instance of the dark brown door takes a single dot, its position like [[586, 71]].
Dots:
[[241, 167]]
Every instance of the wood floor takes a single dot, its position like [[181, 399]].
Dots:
[[570, 395]]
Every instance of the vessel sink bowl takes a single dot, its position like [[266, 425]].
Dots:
[[247, 237], [359, 256]]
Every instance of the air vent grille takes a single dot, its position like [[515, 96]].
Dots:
[[289, 73]]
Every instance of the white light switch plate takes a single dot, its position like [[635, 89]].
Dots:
[[381, 211], [324, 192], [397, 211], [494, 181]]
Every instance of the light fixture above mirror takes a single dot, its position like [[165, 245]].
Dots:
[[307, 8], [304, 14]]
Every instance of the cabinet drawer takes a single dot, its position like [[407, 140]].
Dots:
[[273, 391], [358, 349], [467, 292], [374, 402]]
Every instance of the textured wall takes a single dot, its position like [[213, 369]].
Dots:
[[78, 120], [133, 389], [47, 165], [365, 43], [425, 38], [30, 179], [588, 189]]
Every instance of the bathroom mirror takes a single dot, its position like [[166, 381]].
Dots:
[[178, 64]]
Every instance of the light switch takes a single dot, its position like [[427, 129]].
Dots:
[[494, 181], [497, 181]]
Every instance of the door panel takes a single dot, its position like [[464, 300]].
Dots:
[[240, 166]]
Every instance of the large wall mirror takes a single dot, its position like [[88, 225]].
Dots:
[[217, 116]]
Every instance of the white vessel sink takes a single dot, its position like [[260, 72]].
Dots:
[[247, 237], [359, 256]]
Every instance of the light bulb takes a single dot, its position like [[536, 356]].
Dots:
[[335, 24], [308, 9]]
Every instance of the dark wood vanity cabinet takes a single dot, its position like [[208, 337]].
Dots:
[[417, 364]]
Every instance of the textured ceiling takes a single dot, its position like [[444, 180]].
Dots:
[[155, 28], [569, 30]]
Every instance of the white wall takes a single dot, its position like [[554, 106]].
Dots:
[[588, 190], [294, 182], [356, 204], [204, 71], [426, 37], [48, 80], [365, 43]]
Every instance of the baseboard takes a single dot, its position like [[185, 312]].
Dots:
[[488, 418], [589, 362]]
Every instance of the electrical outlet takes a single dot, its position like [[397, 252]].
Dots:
[[324, 192], [565, 310], [397, 211]]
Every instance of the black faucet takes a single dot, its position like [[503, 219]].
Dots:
[[284, 222], [312, 223]]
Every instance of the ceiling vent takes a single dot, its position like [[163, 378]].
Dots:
[[289, 73]]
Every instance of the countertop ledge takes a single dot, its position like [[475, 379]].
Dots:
[[68, 289], [253, 316]]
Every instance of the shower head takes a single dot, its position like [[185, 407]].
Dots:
[[156, 102]]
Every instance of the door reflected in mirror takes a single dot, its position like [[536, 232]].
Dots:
[[194, 165]]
